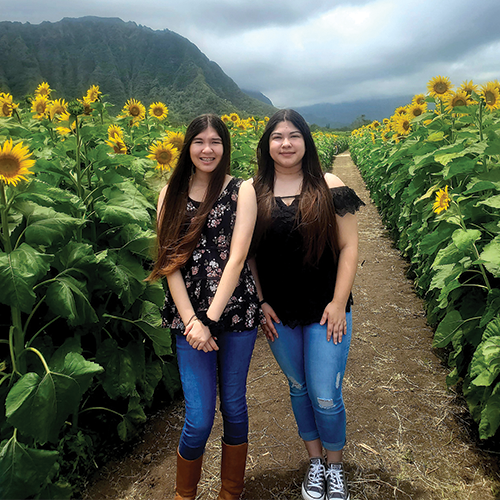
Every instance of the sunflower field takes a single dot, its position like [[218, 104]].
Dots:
[[433, 171], [83, 354]]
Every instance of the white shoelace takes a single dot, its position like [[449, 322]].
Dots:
[[316, 475], [335, 482]]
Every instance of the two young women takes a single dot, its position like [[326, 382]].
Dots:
[[305, 247]]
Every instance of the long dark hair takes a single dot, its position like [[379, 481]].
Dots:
[[178, 236], [316, 212]]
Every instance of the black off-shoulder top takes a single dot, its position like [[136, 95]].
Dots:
[[299, 292]]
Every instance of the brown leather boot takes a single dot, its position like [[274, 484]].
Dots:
[[188, 475], [232, 470]]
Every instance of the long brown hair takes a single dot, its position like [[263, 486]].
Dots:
[[178, 235], [316, 212]]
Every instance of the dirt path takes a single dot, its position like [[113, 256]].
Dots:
[[408, 437]]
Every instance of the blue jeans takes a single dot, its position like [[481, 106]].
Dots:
[[198, 371], [315, 370]]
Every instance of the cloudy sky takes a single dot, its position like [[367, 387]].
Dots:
[[315, 51]]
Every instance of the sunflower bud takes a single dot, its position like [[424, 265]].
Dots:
[[75, 108]]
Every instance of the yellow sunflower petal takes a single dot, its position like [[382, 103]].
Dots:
[[14, 162]]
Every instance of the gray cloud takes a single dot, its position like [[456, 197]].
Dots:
[[300, 52]]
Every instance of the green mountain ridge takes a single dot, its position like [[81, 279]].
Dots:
[[126, 60]]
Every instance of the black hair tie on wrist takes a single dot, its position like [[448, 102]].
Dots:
[[214, 326], [261, 302]]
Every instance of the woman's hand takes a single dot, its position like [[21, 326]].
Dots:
[[268, 327], [334, 314], [199, 337]]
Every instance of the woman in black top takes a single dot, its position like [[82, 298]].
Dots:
[[306, 252]]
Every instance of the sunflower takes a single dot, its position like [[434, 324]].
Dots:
[[158, 110], [6, 105], [43, 90], [86, 102], [386, 134], [176, 139], [468, 87], [93, 93], [135, 110], [442, 201], [416, 109], [418, 99], [225, 119], [402, 125], [401, 110], [14, 162], [164, 154], [69, 129], [454, 99], [119, 147], [58, 108], [242, 125], [115, 131], [40, 106], [439, 86], [490, 95], [234, 117], [375, 124]]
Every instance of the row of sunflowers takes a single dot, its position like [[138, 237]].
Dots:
[[433, 170], [83, 354]]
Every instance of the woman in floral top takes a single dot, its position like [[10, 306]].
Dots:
[[205, 224]]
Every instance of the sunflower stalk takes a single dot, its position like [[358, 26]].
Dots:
[[16, 337], [78, 175], [476, 252]]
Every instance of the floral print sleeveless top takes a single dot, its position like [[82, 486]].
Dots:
[[203, 271]]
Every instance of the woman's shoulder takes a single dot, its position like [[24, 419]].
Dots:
[[333, 181]]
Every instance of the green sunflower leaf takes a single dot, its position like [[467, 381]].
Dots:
[[48, 227], [24, 470], [38, 406], [447, 329], [67, 297], [490, 256], [19, 272]]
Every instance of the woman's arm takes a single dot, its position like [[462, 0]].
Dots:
[[246, 215], [334, 312], [268, 327], [347, 234], [181, 298]]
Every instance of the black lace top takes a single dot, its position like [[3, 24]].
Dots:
[[203, 271], [298, 292]]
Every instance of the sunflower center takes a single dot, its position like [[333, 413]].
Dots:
[[460, 102], [164, 157], [406, 125], [490, 97], [417, 111], [158, 111], [6, 110], [9, 167], [135, 111], [440, 88], [40, 108]]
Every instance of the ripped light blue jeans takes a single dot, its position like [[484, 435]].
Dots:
[[315, 370]]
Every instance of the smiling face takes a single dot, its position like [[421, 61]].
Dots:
[[286, 146], [206, 150]]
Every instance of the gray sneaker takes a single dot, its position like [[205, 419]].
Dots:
[[313, 486], [336, 486]]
